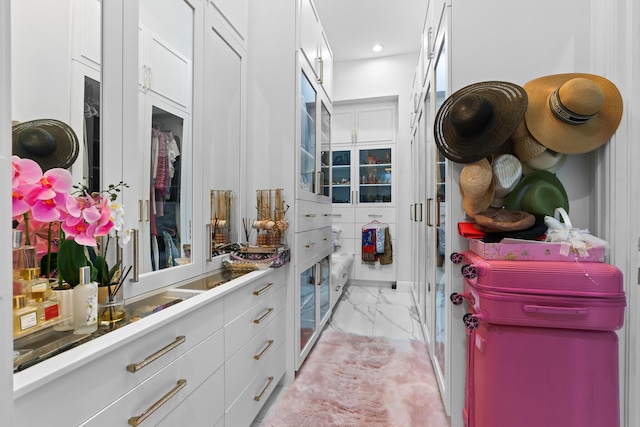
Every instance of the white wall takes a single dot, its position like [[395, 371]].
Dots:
[[384, 77]]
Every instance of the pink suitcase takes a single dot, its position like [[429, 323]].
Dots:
[[541, 377], [541, 349], [544, 294]]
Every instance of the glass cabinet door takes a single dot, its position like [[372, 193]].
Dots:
[[440, 219], [308, 136], [341, 176], [375, 174], [325, 149], [325, 274], [308, 280]]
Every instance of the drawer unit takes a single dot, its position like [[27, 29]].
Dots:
[[202, 406], [243, 328], [251, 358], [177, 380], [241, 300], [311, 215], [341, 215], [245, 408], [107, 378], [308, 244], [367, 214]]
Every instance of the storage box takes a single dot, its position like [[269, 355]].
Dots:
[[532, 250], [279, 255]]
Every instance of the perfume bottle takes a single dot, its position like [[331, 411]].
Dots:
[[24, 317], [48, 309], [85, 304]]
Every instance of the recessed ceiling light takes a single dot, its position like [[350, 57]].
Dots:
[[376, 47]]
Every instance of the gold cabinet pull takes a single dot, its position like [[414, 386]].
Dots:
[[259, 291], [429, 201], [261, 318], [259, 355], [309, 245], [309, 215], [135, 421], [135, 367], [258, 397]]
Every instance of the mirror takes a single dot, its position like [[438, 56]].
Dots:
[[55, 72]]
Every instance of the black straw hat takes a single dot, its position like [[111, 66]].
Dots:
[[50, 143], [478, 119]]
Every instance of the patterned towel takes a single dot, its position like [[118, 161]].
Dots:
[[369, 245], [380, 240]]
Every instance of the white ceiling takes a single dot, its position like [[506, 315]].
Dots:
[[354, 26]]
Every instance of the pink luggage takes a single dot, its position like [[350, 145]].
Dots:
[[541, 349]]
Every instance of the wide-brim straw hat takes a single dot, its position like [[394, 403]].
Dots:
[[50, 143], [477, 187], [478, 119], [538, 193], [573, 113], [523, 144]]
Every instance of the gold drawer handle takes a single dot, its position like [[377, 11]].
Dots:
[[261, 318], [310, 215], [259, 355], [135, 367], [310, 245], [135, 421], [258, 397], [259, 291]]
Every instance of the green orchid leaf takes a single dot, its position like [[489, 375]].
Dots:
[[71, 257]]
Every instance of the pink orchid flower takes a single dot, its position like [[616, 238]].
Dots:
[[53, 182], [26, 174], [87, 219]]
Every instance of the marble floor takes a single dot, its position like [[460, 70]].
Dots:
[[367, 310], [377, 311]]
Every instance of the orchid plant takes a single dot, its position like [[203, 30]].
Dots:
[[46, 201]]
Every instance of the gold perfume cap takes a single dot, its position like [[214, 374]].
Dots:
[[30, 273], [18, 302]]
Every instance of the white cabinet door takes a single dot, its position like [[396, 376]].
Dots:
[[309, 32], [376, 124], [161, 164], [223, 170], [326, 66]]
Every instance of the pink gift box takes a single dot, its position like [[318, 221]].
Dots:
[[531, 250]]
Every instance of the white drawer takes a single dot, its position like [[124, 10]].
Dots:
[[363, 215], [310, 215], [244, 410], [194, 367], [241, 300], [202, 407], [340, 214], [250, 359], [242, 329], [308, 244], [106, 379]]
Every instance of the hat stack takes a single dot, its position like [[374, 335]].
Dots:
[[524, 135]]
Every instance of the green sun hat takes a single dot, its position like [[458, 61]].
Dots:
[[538, 193]]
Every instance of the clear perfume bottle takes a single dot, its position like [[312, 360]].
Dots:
[[85, 304]]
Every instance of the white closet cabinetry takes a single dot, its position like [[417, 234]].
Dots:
[[225, 357], [315, 47], [362, 178]]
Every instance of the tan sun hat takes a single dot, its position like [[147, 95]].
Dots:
[[572, 113], [523, 144], [477, 187]]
